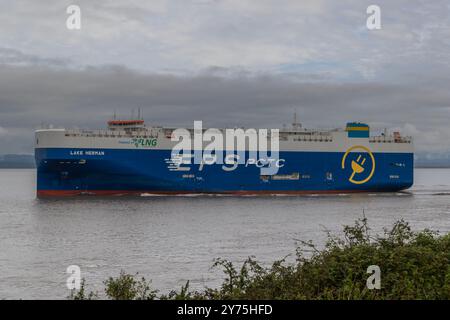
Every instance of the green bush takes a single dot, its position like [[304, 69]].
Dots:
[[414, 265], [127, 287]]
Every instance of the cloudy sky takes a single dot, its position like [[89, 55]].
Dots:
[[227, 62]]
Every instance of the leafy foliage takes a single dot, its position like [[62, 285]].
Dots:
[[414, 265], [81, 293], [127, 287]]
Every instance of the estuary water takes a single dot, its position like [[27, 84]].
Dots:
[[174, 239]]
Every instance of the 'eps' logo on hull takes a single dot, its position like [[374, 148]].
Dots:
[[362, 163]]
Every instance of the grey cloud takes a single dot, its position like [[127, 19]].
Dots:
[[227, 62], [30, 96], [257, 35], [10, 56]]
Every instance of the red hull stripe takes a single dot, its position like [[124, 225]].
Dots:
[[71, 193]]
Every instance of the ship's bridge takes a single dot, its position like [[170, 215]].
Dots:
[[126, 125]]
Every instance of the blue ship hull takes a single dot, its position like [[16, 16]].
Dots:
[[62, 171]]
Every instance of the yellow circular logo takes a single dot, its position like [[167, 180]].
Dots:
[[362, 171]]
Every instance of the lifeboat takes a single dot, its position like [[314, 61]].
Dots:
[[125, 122]]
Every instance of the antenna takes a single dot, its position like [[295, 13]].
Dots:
[[296, 124]]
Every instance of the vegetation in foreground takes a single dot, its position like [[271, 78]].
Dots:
[[414, 265]]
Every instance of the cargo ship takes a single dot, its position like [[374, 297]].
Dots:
[[129, 158]]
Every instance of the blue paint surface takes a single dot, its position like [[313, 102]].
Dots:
[[147, 170]]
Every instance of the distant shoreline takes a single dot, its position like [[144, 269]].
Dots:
[[17, 166], [430, 166], [17, 161]]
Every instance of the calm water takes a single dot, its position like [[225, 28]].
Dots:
[[173, 239]]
